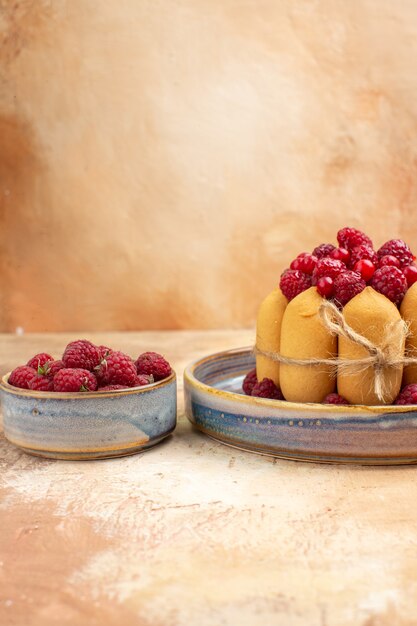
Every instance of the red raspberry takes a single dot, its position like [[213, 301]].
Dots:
[[144, 379], [249, 382], [399, 249], [117, 369], [305, 263], [327, 267], [391, 282], [363, 252], [54, 367], [104, 352], [41, 382], [346, 286], [341, 254], [81, 354], [113, 387], [293, 282], [39, 360], [74, 379], [153, 364], [267, 389], [408, 395], [388, 259], [324, 249], [21, 376], [334, 398], [351, 237]]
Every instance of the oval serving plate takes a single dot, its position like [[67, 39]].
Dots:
[[93, 425], [216, 405]]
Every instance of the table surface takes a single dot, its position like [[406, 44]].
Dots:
[[194, 533]]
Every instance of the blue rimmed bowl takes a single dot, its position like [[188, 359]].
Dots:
[[91, 425], [216, 405]]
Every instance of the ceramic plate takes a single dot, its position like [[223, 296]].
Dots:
[[89, 425], [216, 405]]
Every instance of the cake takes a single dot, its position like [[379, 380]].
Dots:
[[341, 327]]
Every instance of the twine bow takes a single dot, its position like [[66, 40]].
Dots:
[[380, 357]]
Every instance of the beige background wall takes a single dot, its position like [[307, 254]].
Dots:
[[162, 160]]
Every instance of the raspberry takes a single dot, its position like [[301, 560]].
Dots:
[[104, 352], [363, 252], [341, 254], [324, 249], [74, 379], [293, 282], [21, 376], [54, 367], [249, 382], [334, 398], [408, 395], [305, 263], [144, 379], [153, 364], [267, 389], [328, 267], [399, 249], [39, 360], [113, 387], [351, 237], [391, 282], [388, 259], [81, 354], [117, 369], [346, 286], [41, 382]]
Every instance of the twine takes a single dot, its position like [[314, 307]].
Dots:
[[380, 357]]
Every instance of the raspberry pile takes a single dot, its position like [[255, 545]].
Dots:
[[340, 273], [265, 388], [86, 367]]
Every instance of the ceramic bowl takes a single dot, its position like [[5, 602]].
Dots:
[[89, 425], [216, 405]]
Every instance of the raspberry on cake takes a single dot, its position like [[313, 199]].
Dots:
[[351, 237], [327, 267], [324, 249], [399, 249], [346, 286], [363, 252], [391, 282], [293, 282]]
